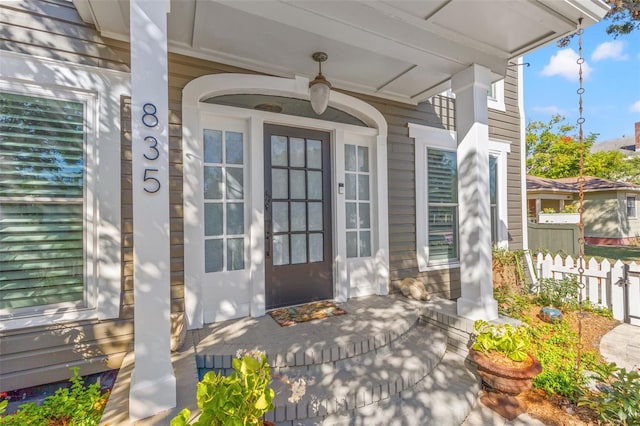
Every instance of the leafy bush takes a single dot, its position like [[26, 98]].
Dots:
[[75, 406], [601, 311], [511, 304], [555, 347], [558, 293], [504, 338], [618, 399], [241, 398]]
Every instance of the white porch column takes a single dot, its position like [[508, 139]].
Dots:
[[153, 383], [470, 87]]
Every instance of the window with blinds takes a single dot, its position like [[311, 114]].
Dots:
[[442, 215], [41, 202]]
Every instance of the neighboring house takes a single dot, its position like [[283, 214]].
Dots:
[[628, 145], [200, 182], [610, 208]]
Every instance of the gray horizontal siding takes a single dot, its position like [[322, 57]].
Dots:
[[506, 126]]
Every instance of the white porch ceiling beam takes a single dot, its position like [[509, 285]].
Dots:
[[364, 30]]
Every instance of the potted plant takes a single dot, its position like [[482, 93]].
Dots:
[[241, 398], [501, 353]]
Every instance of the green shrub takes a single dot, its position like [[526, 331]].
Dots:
[[241, 398], [75, 406], [511, 304], [601, 311], [503, 338], [558, 293], [618, 398]]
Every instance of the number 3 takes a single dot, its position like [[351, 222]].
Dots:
[[154, 143]]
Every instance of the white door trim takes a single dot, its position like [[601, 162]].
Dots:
[[192, 109]]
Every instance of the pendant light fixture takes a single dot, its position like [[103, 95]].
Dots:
[[319, 88]]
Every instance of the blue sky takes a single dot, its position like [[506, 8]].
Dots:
[[611, 81]]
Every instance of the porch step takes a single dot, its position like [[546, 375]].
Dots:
[[444, 398], [341, 390]]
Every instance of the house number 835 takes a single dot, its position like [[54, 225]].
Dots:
[[150, 119]]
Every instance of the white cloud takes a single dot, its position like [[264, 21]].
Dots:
[[610, 50], [635, 107], [550, 109], [564, 65]]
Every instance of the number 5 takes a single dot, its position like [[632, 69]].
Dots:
[[148, 178]]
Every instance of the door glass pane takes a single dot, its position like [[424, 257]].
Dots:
[[298, 248], [350, 158], [281, 250], [352, 216], [365, 243], [296, 152], [213, 183], [235, 254], [298, 216], [314, 184], [363, 159], [233, 142], [213, 256], [363, 187], [212, 219], [297, 184], [234, 183], [212, 146], [279, 184], [315, 248], [235, 218], [280, 217], [315, 216], [352, 244], [279, 151], [365, 215], [314, 154], [350, 186]]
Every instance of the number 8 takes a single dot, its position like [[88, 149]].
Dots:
[[149, 117]]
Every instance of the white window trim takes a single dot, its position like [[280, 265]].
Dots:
[[101, 90], [497, 101], [626, 208], [500, 150], [427, 137]]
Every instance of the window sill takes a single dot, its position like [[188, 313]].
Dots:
[[46, 319], [441, 266]]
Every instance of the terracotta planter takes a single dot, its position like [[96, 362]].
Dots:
[[508, 379], [268, 423]]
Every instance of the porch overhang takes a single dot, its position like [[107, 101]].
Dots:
[[405, 51]]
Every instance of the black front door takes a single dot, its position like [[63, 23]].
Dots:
[[297, 199]]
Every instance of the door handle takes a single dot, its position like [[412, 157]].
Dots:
[[267, 244]]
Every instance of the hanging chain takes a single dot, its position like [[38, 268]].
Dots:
[[581, 180]]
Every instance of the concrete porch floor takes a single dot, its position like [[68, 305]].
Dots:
[[376, 319], [372, 319]]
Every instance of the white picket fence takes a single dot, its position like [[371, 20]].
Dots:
[[604, 283]]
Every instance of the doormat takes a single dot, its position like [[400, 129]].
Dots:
[[309, 312]]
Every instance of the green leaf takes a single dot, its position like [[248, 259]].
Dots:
[[181, 419]]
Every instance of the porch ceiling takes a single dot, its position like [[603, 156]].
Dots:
[[404, 50]]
